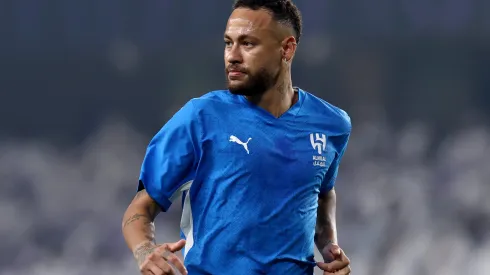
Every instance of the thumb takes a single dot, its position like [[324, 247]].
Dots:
[[173, 247]]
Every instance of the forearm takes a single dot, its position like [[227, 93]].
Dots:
[[326, 227], [137, 227]]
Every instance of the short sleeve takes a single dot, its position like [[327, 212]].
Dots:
[[171, 157], [340, 144]]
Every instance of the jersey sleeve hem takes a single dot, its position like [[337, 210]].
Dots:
[[163, 202], [328, 187]]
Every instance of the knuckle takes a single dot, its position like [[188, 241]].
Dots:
[[172, 258], [153, 256], [167, 269]]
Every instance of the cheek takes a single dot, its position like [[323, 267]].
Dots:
[[258, 62], [225, 56]]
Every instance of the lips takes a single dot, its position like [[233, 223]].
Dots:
[[234, 69], [235, 73]]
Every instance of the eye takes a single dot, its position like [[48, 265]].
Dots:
[[228, 44], [248, 44]]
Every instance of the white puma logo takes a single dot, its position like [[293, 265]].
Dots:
[[244, 144]]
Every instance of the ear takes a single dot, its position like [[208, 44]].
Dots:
[[288, 48]]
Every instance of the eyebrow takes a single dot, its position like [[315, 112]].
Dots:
[[241, 37]]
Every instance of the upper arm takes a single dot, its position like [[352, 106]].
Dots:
[[340, 145], [171, 157]]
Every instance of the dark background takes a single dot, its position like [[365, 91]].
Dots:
[[85, 84]]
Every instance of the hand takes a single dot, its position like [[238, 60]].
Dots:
[[336, 263], [156, 259]]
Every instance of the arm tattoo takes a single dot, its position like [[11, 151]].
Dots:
[[136, 217], [143, 251]]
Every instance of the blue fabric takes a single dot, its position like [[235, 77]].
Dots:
[[256, 179]]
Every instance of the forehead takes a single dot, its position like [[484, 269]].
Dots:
[[246, 21]]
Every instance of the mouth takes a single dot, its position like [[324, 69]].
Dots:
[[235, 73]]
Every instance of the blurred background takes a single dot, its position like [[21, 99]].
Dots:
[[85, 84]]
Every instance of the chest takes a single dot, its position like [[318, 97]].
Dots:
[[288, 154]]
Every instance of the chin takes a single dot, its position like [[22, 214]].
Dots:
[[245, 91], [238, 88], [237, 91]]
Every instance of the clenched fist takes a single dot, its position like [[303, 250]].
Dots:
[[336, 262], [156, 259]]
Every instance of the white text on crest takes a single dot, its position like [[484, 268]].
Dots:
[[319, 161], [319, 158]]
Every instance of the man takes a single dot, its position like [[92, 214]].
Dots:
[[256, 164]]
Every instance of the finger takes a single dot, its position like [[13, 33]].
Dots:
[[174, 247], [145, 269], [323, 266], [344, 271], [336, 265], [177, 263], [152, 269], [161, 263], [344, 257]]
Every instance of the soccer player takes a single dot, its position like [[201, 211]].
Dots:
[[256, 164]]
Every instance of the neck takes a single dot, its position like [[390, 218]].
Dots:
[[278, 99]]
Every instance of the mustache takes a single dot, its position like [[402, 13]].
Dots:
[[235, 68]]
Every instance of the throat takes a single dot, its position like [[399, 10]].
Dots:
[[276, 103]]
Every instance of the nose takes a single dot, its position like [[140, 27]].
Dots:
[[233, 55]]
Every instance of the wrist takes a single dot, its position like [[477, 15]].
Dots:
[[143, 250], [322, 243]]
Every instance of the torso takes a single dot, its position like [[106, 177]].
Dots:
[[255, 194]]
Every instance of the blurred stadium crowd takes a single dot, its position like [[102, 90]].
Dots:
[[400, 211], [85, 84]]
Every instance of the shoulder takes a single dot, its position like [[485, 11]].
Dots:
[[210, 98], [208, 108], [216, 97], [326, 111]]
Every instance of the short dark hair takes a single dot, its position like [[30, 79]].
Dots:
[[283, 11]]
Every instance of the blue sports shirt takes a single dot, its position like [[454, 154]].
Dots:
[[250, 181]]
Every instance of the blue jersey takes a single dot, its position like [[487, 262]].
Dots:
[[250, 180]]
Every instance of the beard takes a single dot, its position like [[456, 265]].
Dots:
[[255, 85]]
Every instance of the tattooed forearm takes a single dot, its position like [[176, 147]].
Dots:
[[142, 251], [137, 217]]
